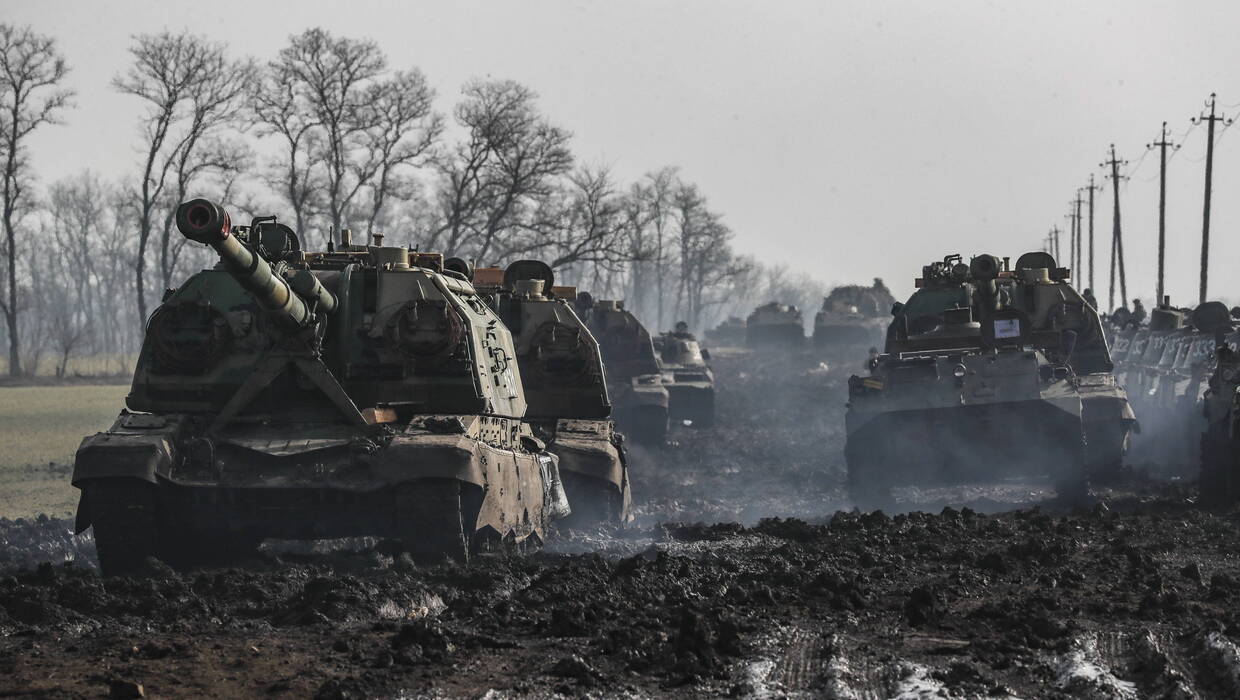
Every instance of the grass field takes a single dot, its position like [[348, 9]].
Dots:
[[40, 428], [86, 365]]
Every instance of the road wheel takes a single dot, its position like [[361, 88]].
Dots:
[[430, 522], [124, 519], [649, 425], [593, 501]]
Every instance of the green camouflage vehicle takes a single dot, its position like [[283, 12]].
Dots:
[[988, 373], [562, 372], [302, 395], [633, 371]]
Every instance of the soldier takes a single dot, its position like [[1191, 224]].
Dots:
[[1088, 295], [1138, 313]]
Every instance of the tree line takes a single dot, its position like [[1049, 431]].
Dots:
[[329, 136]]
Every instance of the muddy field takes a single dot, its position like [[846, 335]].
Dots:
[[784, 591]]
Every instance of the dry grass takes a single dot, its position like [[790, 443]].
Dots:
[[40, 428], [102, 365]]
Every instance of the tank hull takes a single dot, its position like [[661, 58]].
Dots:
[[593, 467], [692, 401], [966, 444], [965, 419], [847, 334], [155, 485], [775, 335], [641, 409]]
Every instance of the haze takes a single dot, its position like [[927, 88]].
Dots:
[[846, 140]]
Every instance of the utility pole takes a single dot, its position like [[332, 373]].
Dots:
[[1069, 263], [1092, 188], [1205, 216], [1055, 243], [1078, 260], [1117, 236], [1163, 144]]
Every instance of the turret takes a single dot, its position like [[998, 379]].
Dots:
[[292, 299]]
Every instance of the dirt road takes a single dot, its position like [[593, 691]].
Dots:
[[1138, 596]]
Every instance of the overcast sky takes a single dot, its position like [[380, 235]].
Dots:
[[845, 139]]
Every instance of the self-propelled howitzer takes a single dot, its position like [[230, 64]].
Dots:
[[562, 371], [300, 395]]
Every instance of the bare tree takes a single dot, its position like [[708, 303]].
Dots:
[[402, 131], [278, 113], [493, 184], [346, 130], [31, 95], [590, 224], [193, 88], [648, 212]]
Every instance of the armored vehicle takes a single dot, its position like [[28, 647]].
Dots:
[[730, 332], [1164, 367], [689, 380], [987, 373], [775, 325], [300, 395], [1219, 483], [853, 315], [636, 380], [562, 372]]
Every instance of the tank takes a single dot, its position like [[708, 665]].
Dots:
[[853, 315], [988, 373], [775, 325], [729, 333], [634, 377], [565, 386], [358, 391], [689, 380]]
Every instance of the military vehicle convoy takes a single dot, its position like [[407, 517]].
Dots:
[[1219, 483], [636, 380], [853, 315], [565, 386], [988, 373], [362, 390], [1165, 367], [689, 380], [775, 325]]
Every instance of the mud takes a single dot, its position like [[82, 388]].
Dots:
[[1136, 596]]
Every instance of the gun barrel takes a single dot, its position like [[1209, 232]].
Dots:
[[207, 222]]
